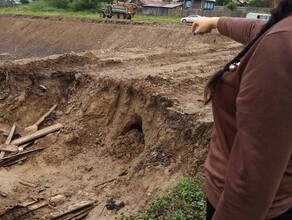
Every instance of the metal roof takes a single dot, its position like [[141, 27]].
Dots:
[[171, 5], [152, 2]]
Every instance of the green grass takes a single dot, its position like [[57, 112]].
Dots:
[[38, 8], [185, 201], [41, 8], [160, 19]]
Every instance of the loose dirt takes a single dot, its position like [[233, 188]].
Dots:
[[130, 99]]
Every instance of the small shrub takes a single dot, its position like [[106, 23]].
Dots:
[[24, 1], [41, 6], [259, 3], [61, 4], [81, 5], [231, 6]]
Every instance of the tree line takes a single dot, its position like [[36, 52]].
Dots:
[[231, 4], [74, 5], [93, 5]]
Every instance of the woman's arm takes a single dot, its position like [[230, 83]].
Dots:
[[241, 30]]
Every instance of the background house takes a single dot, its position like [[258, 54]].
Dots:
[[160, 7], [141, 3]]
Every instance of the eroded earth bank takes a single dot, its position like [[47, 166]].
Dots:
[[128, 98]]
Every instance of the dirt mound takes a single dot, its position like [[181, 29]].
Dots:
[[24, 36], [131, 108]]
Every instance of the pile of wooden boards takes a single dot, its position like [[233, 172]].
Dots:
[[16, 148], [32, 208]]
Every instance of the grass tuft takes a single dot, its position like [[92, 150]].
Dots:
[[185, 201]]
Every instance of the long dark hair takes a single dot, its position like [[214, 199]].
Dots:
[[277, 14]]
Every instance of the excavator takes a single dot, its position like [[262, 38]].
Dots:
[[118, 9]]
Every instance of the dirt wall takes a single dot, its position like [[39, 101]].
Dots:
[[42, 36]]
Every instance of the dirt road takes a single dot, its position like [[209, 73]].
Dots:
[[130, 99]]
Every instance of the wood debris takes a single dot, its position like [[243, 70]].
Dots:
[[13, 161], [21, 147], [25, 183], [19, 211], [76, 211], [21, 143], [12, 158], [8, 140], [105, 182], [34, 127], [16, 148], [8, 148], [26, 209], [37, 134]]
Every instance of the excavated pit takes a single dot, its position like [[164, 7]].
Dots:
[[132, 112]]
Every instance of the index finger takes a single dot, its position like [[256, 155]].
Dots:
[[194, 26]]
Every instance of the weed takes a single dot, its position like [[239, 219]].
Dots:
[[185, 201]]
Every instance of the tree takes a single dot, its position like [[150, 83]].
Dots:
[[62, 4], [220, 2], [257, 3], [76, 5], [24, 1], [231, 6]]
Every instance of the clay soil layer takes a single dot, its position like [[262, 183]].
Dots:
[[129, 97]]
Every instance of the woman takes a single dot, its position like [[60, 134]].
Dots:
[[249, 165]]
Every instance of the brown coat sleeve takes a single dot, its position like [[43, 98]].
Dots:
[[263, 144], [241, 30]]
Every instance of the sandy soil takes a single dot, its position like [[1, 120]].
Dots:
[[130, 99]]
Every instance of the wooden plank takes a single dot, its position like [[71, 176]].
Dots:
[[105, 182], [25, 183], [34, 127], [80, 214], [45, 115], [20, 154], [75, 207], [11, 161], [21, 147], [2, 154], [8, 140], [38, 205], [8, 148], [37, 134], [19, 212]]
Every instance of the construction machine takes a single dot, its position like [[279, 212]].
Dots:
[[118, 9]]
